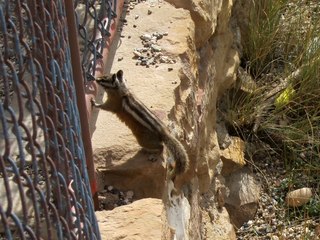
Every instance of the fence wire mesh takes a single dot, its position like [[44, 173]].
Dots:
[[44, 186], [94, 20]]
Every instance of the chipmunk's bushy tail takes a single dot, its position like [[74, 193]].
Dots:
[[180, 160]]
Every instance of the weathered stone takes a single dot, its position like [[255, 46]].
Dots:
[[146, 37], [130, 169], [298, 197], [139, 220], [205, 14], [156, 48], [233, 156], [205, 60], [137, 54], [244, 193], [224, 138], [215, 220], [218, 228], [130, 194]]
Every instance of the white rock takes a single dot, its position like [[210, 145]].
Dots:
[[298, 197], [156, 48], [130, 194], [250, 222], [146, 37], [137, 54]]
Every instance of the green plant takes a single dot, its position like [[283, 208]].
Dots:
[[282, 54], [261, 51]]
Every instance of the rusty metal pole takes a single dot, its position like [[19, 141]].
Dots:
[[81, 102]]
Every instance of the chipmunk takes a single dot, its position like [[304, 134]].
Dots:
[[148, 129]]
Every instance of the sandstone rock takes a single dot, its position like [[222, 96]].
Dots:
[[216, 225], [205, 14], [218, 62], [203, 59], [215, 218], [116, 153], [233, 156], [130, 169], [298, 197], [136, 221], [240, 215], [242, 202], [224, 138]]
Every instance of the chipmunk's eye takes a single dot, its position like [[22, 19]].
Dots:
[[108, 82]]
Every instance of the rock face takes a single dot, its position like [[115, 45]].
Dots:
[[233, 156], [200, 39], [129, 168], [136, 221], [242, 202]]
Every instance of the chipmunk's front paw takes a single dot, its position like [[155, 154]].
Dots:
[[93, 102]]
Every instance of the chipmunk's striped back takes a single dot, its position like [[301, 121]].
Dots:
[[147, 127], [133, 106]]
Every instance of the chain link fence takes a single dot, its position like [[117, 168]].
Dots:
[[44, 185], [94, 20]]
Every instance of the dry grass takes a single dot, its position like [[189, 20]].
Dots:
[[283, 57]]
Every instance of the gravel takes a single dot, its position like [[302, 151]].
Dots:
[[274, 220], [111, 197], [149, 53]]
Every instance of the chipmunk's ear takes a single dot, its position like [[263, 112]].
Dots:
[[120, 74], [114, 78]]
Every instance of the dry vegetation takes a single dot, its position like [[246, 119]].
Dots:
[[275, 106]]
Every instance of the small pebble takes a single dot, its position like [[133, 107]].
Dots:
[[149, 12], [250, 222], [137, 54], [146, 37], [130, 194], [156, 48]]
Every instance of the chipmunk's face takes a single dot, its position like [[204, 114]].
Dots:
[[115, 82]]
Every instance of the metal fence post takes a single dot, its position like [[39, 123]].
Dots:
[[79, 85]]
